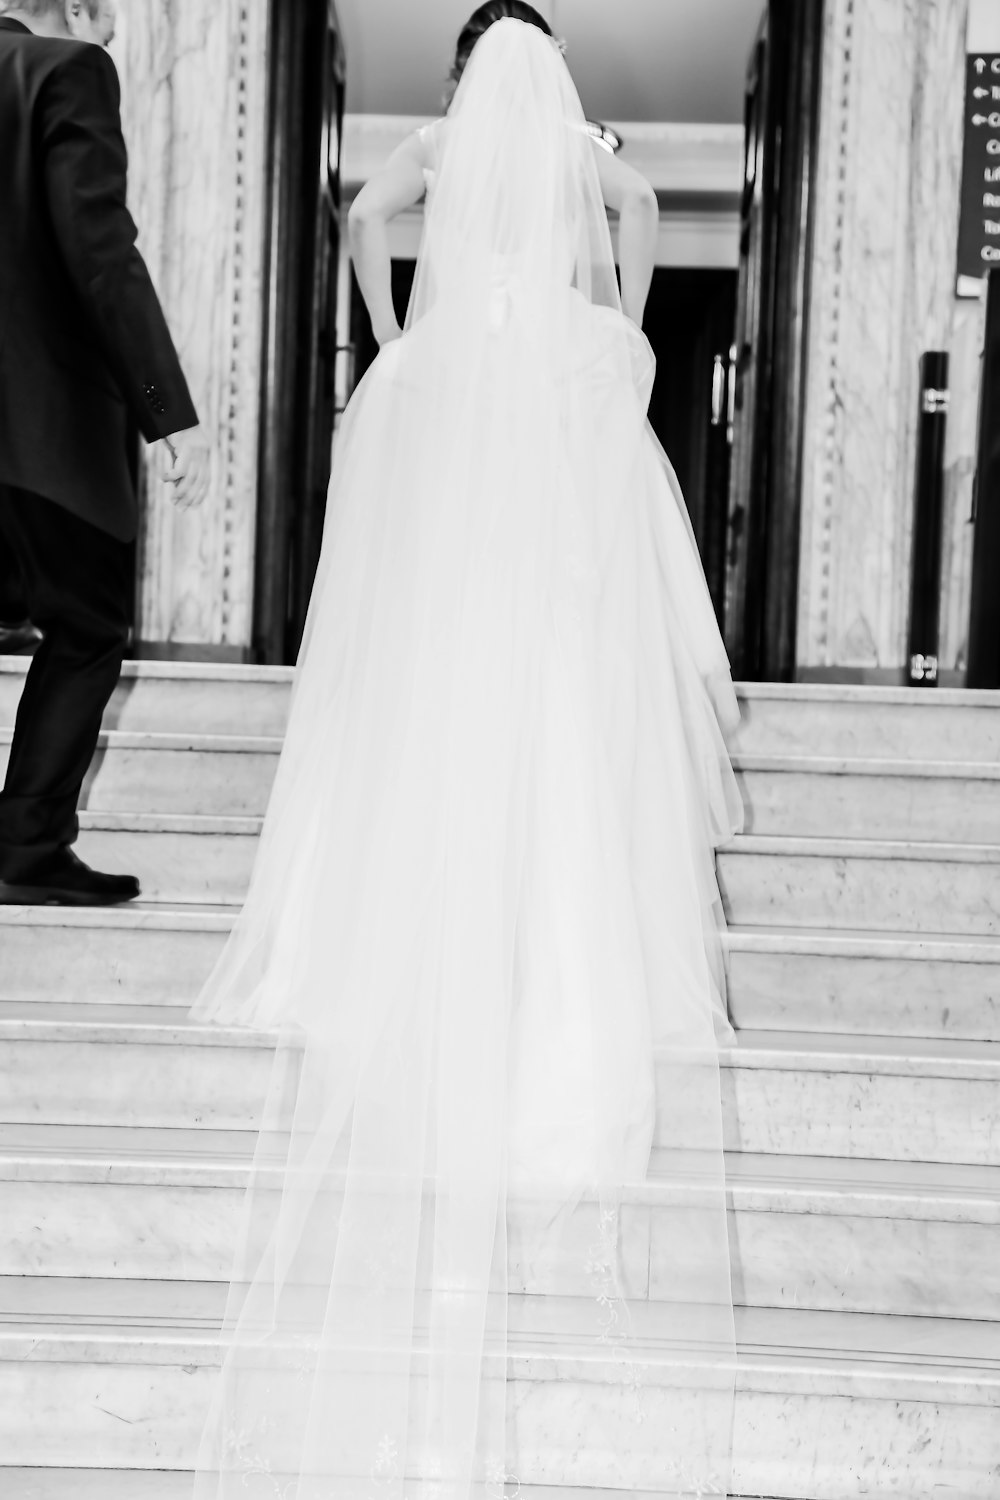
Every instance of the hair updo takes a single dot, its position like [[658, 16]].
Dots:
[[480, 22]]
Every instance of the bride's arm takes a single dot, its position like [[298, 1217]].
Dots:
[[398, 185], [628, 192]]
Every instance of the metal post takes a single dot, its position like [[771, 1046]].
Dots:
[[984, 613], [925, 577]]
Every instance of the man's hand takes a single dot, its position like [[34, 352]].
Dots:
[[184, 465]]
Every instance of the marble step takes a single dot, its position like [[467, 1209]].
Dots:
[[784, 795], [922, 888], [220, 775], [864, 983], [829, 1405], [778, 719], [804, 796], [96, 1484], [842, 720], [891, 984], [860, 1236], [784, 1093], [178, 1484], [204, 740], [137, 954], [152, 697], [178, 859], [814, 796]]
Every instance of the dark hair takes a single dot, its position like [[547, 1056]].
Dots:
[[482, 19]]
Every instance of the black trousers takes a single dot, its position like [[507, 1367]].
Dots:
[[13, 607], [76, 582]]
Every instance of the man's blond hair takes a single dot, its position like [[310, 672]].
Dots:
[[45, 7]]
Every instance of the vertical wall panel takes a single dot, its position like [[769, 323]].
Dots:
[[883, 278], [194, 106]]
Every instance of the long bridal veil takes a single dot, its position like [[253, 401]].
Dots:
[[484, 1247]]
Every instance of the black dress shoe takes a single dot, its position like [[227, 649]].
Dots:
[[62, 879], [16, 639]]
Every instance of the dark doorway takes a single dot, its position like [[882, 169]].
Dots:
[[306, 111], [781, 118], [984, 613], [690, 318], [689, 322], [363, 343]]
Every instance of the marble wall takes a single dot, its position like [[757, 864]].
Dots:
[[194, 81], [883, 281]]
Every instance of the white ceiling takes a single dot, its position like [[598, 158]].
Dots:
[[670, 60]]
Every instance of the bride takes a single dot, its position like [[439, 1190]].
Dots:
[[484, 1247]]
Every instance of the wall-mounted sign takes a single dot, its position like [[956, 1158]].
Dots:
[[979, 222]]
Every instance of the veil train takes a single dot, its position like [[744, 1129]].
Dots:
[[485, 1246]]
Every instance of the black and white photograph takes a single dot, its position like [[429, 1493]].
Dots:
[[500, 750]]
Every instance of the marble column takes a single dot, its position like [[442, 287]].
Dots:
[[194, 85], [883, 290]]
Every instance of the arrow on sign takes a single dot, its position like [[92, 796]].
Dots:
[[980, 93], [979, 119], [980, 64]]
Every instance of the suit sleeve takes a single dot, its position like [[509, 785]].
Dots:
[[86, 165]]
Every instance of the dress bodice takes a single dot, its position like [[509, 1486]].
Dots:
[[430, 139]]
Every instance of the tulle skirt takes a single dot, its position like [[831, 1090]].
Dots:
[[485, 1242]]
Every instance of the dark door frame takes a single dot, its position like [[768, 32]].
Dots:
[[305, 126], [782, 123]]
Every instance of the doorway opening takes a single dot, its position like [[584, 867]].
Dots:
[[690, 319]]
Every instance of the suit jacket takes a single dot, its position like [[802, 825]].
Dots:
[[83, 339]]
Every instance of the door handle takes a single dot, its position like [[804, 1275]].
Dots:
[[718, 390]]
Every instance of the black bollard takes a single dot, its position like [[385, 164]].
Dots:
[[925, 570], [984, 613]]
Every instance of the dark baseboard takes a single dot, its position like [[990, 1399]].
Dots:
[[876, 676], [175, 651]]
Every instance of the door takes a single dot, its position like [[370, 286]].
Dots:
[[298, 387], [762, 546]]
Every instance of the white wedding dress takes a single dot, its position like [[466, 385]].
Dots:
[[484, 918]]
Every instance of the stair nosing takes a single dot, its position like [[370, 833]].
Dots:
[[740, 937], [805, 1191], [793, 692], [867, 765], [166, 916], [857, 942], [776, 1050], [867, 694], [167, 742], [186, 1343], [201, 825], [178, 671], [822, 847]]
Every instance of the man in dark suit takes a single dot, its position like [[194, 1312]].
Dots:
[[83, 346], [17, 633]]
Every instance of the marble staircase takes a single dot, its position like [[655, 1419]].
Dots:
[[862, 1112]]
